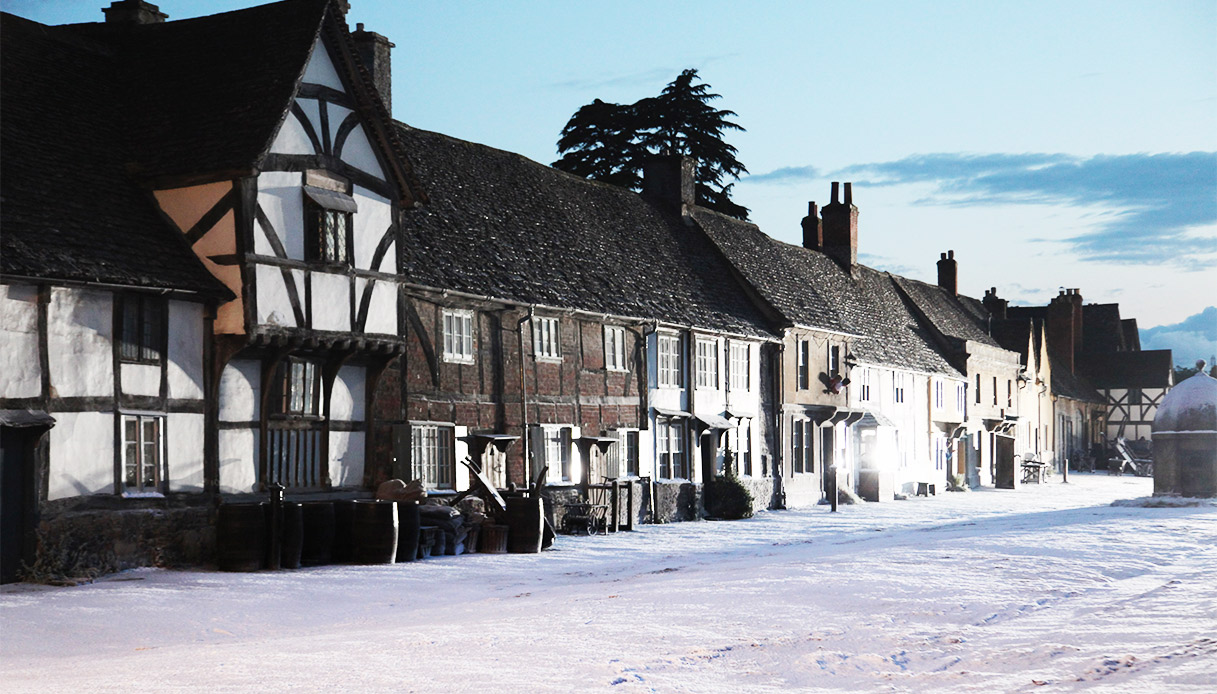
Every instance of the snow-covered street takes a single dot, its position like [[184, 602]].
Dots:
[[1047, 588]]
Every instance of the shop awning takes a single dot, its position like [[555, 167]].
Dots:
[[714, 421], [664, 412], [872, 418], [740, 413]]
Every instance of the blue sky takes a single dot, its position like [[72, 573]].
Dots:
[[1050, 144]]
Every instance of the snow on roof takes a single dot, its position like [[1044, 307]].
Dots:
[[1190, 407]]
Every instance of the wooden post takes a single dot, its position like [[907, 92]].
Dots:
[[613, 502], [629, 505]]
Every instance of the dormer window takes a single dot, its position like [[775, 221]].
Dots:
[[328, 212]]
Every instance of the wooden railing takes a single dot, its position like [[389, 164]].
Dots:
[[294, 457]]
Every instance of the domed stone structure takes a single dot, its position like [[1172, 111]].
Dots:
[[1185, 438]]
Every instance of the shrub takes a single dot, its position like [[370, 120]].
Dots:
[[726, 495]]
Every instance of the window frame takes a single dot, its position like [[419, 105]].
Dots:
[[139, 466], [707, 363], [669, 353], [803, 366], [336, 189], [864, 385], [562, 439], [428, 463], [672, 461], [740, 365], [898, 387], [614, 348], [146, 315], [466, 354], [546, 338], [285, 383]]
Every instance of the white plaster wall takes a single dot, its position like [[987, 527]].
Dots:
[[347, 398], [337, 114], [80, 326], [140, 379], [321, 70], [81, 454], [312, 110], [20, 364], [382, 313], [185, 350], [373, 219], [282, 200], [358, 152], [274, 307], [346, 458], [291, 138], [239, 386], [331, 306], [238, 453], [184, 441]]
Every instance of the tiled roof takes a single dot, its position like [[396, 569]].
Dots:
[[954, 316], [206, 95], [69, 210], [1143, 369], [812, 290], [1101, 328], [503, 226]]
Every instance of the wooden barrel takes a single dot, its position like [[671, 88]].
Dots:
[[241, 537], [374, 532], [317, 544], [493, 539], [526, 519], [407, 530], [344, 517], [293, 535]]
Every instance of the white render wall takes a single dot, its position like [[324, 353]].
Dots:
[[184, 451], [20, 363], [347, 397], [346, 458], [240, 384], [238, 461], [80, 326], [81, 452], [185, 350]]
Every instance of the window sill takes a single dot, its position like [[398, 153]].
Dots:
[[547, 360], [142, 495], [616, 370], [449, 359]]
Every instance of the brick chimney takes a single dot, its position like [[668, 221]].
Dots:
[[375, 52], [133, 12], [1065, 326], [948, 273], [813, 230], [667, 179], [841, 228], [995, 306]]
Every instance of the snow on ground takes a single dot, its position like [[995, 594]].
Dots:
[[1044, 589]]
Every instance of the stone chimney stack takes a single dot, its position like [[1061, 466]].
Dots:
[[948, 273], [667, 179], [995, 306], [1065, 326], [840, 228], [813, 230], [375, 52], [133, 12]]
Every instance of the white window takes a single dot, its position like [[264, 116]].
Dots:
[[741, 366], [707, 363], [671, 362], [939, 394], [431, 455], [142, 452], [898, 387], [961, 397], [670, 448], [546, 338], [864, 385], [623, 458], [614, 348], [804, 373], [299, 385], [802, 446], [834, 360], [458, 336], [556, 451]]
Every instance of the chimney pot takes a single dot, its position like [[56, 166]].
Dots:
[[835, 185], [849, 193], [950, 254], [841, 228], [942, 256], [948, 273], [813, 230], [376, 54]]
